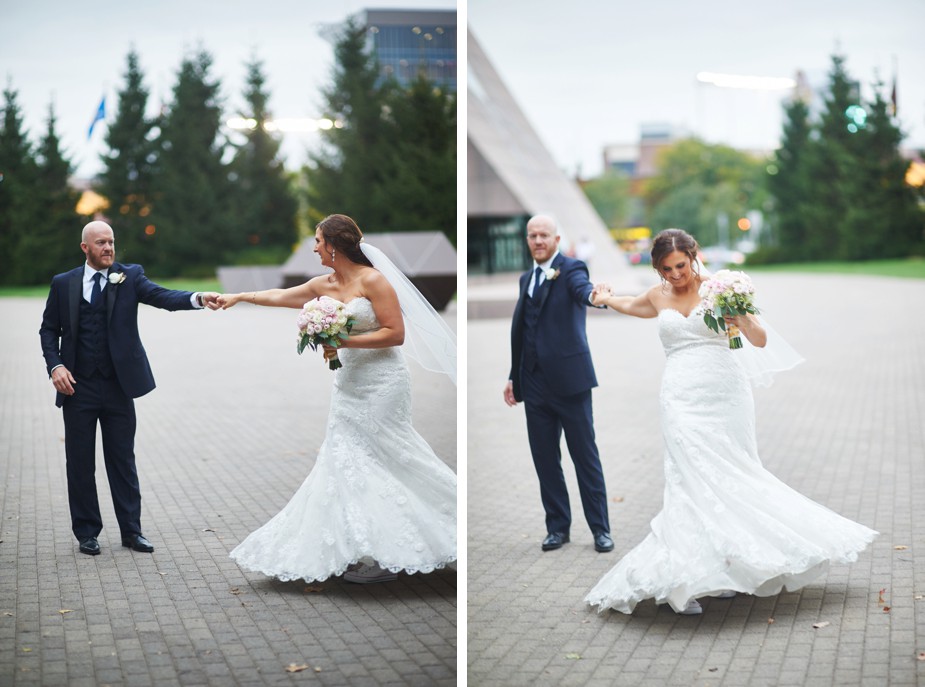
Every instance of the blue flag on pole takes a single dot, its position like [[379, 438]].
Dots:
[[99, 116]]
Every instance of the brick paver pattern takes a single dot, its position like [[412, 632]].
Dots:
[[846, 428], [223, 442]]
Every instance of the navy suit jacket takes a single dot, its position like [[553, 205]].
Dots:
[[62, 313], [562, 344]]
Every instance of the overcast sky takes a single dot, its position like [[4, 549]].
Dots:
[[590, 72], [71, 53]]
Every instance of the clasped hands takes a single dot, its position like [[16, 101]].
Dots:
[[221, 301], [601, 291]]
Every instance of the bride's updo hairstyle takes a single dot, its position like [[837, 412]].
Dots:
[[343, 235], [670, 240]]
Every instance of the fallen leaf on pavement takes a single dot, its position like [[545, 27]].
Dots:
[[313, 588], [617, 499], [236, 591], [770, 621], [921, 656], [880, 597], [712, 670], [824, 623], [901, 547], [208, 529], [293, 668], [26, 649], [317, 669], [919, 597], [8, 614], [573, 656], [886, 609], [65, 610]]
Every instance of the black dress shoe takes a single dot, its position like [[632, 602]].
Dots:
[[138, 543], [603, 542], [554, 540], [90, 546]]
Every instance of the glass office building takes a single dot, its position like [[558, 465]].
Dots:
[[412, 42]]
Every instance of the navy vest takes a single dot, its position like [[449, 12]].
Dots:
[[531, 318], [93, 356]]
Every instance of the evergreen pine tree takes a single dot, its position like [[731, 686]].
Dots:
[[346, 175], [264, 206], [830, 164], [129, 167], [419, 191], [53, 245], [18, 197], [790, 183], [883, 218], [191, 190]]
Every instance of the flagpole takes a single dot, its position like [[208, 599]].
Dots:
[[893, 92]]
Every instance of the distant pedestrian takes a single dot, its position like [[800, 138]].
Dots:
[[584, 250]]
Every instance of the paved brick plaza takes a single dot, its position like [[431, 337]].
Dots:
[[846, 428], [230, 433]]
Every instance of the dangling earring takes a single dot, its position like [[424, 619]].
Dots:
[[332, 255]]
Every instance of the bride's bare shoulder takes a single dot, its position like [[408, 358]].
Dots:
[[654, 294]]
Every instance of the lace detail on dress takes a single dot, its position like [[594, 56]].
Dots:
[[377, 490], [726, 523]]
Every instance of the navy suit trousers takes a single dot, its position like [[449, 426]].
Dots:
[[101, 400], [548, 415]]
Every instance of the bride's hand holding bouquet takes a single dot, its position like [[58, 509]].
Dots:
[[728, 300], [324, 322]]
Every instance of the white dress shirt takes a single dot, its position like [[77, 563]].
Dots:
[[104, 282], [545, 265]]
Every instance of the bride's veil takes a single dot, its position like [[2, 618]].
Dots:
[[428, 339]]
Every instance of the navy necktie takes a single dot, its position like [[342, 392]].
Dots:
[[96, 293], [536, 280]]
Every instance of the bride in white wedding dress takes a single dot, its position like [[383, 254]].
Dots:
[[727, 525], [378, 494]]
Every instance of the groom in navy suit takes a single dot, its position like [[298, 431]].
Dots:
[[552, 373], [97, 364]]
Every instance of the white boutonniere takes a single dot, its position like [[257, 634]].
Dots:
[[116, 278], [551, 273]]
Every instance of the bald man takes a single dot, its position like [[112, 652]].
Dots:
[[552, 373], [98, 366]]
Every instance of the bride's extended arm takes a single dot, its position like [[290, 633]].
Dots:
[[294, 297], [391, 330], [637, 306]]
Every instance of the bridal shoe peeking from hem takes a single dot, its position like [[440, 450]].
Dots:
[[693, 608], [368, 574]]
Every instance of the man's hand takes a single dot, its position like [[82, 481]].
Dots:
[[63, 380], [210, 300], [600, 292], [509, 394]]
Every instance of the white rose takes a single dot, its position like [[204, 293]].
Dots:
[[116, 277]]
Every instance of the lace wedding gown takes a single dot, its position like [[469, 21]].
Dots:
[[377, 490], [726, 523]]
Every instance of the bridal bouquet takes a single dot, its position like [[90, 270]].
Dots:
[[726, 294], [324, 321]]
